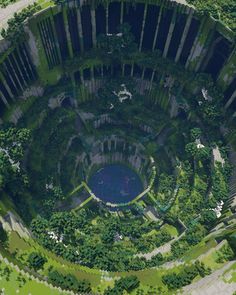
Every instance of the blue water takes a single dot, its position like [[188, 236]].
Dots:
[[116, 184]]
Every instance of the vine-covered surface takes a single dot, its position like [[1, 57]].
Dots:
[[224, 11], [42, 174]]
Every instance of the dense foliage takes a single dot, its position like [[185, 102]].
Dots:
[[103, 242], [189, 185], [224, 11], [5, 3], [120, 45], [13, 142], [36, 261], [186, 276], [127, 284], [3, 235], [15, 29], [68, 282]]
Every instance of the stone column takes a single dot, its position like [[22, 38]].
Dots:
[[82, 77], [142, 77], [3, 98], [22, 88], [19, 69], [107, 17], [6, 86], [10, 77], [151, 81], [22, 62], [47, 43], [55, 37], [121, 12], [65, 19], [201, 44], [185, 33], [132, 70], [93, 22], [80, 30], [27, 58], [170, 33], [228, 72], [123, 70], [143, 26], [92, 79], [157, 28], [232, 98]]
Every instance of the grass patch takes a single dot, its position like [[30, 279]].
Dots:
[[11, 284], [16, 242], [199, 249], [170, 229]]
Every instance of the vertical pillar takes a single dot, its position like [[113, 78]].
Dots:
[[80, 30], [157, 28], [3, 98], [48, 45], [201, 44], [143, 26], [232, 98], [65, 19], [11, 65], [10, 77], [92, 79], [55, 38], [82, 77], [19, 69], [27, 58], [170, 33], [6, 86], [107, 16], [142, 77], [228, 71], [142, 81], [123, 70], [132, 70], [184, 36], [22, 62], [151, 81], [121, 12], [93, 22]]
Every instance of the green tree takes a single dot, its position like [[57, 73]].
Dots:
[[36, 261], [195, 133], [13, 142], [3, 235]]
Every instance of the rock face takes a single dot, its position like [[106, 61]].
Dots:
[[11, 222]]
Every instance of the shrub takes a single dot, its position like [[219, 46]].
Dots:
[[36, 261]]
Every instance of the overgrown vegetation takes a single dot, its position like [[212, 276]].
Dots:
[[5, 3], [225, 11], [15, 30], [186, 276], [103, 242]]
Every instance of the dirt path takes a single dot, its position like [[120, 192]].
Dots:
[[162, 249]]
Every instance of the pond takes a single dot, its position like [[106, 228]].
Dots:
[[115, 183]]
